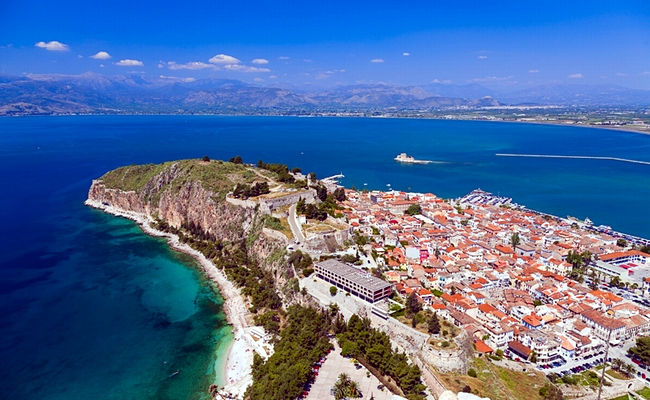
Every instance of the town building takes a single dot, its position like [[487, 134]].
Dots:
[[353, 280]]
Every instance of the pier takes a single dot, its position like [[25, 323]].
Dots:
[[334, 177], [605, 158]]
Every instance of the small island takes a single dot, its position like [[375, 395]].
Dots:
[[405, 158]]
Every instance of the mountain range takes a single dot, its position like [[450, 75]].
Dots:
[[92, 93]]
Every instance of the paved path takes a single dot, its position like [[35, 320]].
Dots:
[[334, 365], [294, 225]]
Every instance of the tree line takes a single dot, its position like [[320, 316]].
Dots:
[[303, 341], [358, 339]]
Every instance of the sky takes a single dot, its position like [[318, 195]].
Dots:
[[303, 44]]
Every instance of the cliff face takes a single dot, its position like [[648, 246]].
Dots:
[[180, 196]]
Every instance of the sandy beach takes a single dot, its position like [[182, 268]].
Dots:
[[238, 374]]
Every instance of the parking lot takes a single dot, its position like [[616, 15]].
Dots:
[[334, 365]]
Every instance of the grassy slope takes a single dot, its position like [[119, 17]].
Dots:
[[497, 383], [216, 176]]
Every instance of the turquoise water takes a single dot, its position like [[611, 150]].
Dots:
[[90, 307]]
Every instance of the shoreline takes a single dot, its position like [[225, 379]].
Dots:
[[237, 373], [619, 128]]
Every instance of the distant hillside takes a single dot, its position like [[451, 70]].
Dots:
[[99, 94], [578, 95]]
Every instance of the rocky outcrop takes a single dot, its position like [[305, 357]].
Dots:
[[190, 203]]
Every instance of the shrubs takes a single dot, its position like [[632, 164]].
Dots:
[[302, 262], [281, 170], [236, 160], [243, 191], [472, 372], [333, 290], [273, 223], [551, 392]]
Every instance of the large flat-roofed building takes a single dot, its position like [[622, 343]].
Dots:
[[353, 280]]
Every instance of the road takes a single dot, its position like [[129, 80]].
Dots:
[[294, 225]]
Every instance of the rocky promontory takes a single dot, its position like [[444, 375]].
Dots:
[[191, 203]]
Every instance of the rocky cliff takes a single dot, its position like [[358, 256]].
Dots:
[[191, 193]]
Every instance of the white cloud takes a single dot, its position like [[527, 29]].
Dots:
[[577, 75], [645, 73], [533, 71], [52, 46], [377, 60], [244, 68], [328, 73], [482, 57], [492, 79], [177, 79], [621, 74], [192, 65], [224, 59], [283, 58], [406, 54], [260, 61], [307, 60], [101, 55], [80, 56], [445, 81], [129, 63], [273, 77], [258, 80]]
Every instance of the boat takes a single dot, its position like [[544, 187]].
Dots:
[[405, 158], [174, 374]]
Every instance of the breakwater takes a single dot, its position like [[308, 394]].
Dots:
[[627, 160]]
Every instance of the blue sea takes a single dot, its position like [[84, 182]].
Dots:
[[90, 307]]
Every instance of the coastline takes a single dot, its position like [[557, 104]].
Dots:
[[237, 374], [619, 128]]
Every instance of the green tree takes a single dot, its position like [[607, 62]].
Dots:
[[434, 324], [205, 158], [333, 290], [236, 160], [413, 305], [472, 372], [533, 357], [642, 349], [575, 259], [339, 194], [621, 242], [345, 388], [414, 209], [515, 240], [321, 192]]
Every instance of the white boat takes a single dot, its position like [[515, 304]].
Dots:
[[405, 158]]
